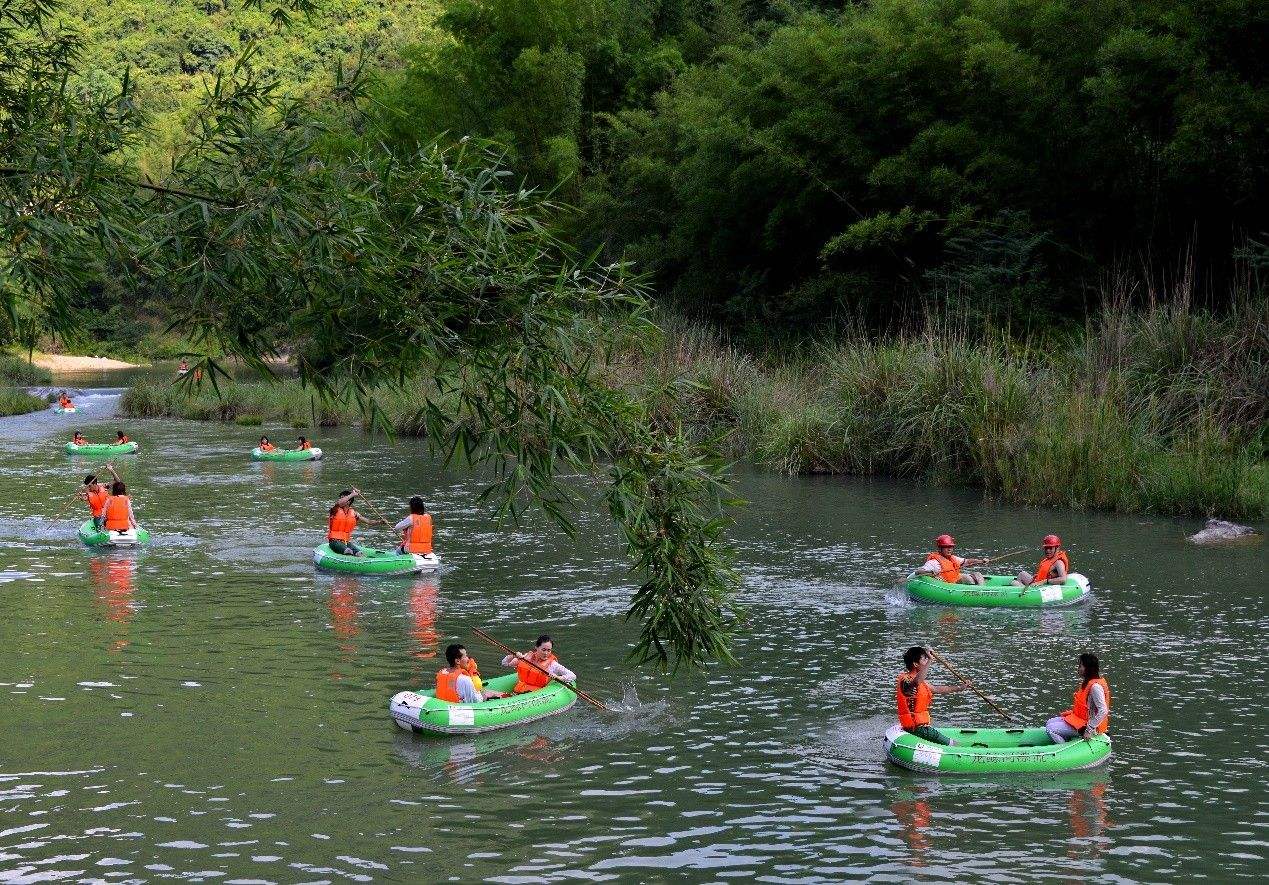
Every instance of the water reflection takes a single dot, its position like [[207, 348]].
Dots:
[[344, 610], [469, 760], [1087, 811], [111, 576], [423, 599]]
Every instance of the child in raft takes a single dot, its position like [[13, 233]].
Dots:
[[265, 445], [913, 696], [118, 510], [79, 439], [121, 438], [304, 445]]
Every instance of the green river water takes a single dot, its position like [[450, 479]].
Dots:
[[213, 709]]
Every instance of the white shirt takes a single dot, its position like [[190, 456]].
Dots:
[[933, 567], [467, 690], [555, 668], [403, 524]]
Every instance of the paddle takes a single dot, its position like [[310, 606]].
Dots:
[[974, 688], [387, 524], [983, 561], [583, 695]]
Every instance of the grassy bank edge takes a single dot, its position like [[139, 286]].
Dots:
[[1160, 411]]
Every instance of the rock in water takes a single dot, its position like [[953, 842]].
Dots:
[[1217, 531]]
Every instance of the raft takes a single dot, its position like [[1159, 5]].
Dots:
[[421, 713], [313, 454], [995, 751], [101, 449], [58, 410], [95, 537], [1000, 592], [376, 562]]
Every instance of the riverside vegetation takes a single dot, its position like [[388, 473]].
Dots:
[[16, 373], [1162, 410]]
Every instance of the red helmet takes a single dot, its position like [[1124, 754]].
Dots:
[[944, 541], [1051, 541]]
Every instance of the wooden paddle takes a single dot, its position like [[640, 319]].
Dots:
[[387, 524], [974, 688], [583, 695]]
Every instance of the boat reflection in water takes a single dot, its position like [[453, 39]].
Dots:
[[344, 610], [423, 607], [465, 760], [112, 581]]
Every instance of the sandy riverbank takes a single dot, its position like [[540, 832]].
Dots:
[[62, 362]]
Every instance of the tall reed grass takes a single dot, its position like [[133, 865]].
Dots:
[[1161, 409]]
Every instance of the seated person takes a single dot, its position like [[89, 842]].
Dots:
[[532, 677]]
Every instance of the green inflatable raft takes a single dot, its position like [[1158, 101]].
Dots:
[[95, 537], [313, 454], [101, 449], [994, 751], [376, 562], [422, 713], [1000, 592]]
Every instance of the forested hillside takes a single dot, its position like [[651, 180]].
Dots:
[[777, 165], [173, 47]]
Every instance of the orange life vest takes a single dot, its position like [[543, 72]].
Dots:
[[97, 500], [1077, 716], [531, 678], [914, 710], [341, 524], [305, 446], [1046, 565], [64, 402], [117, 514], [419, 540], [79, 440], [447, 685], [123, 439], [950, 572], [267, 447]]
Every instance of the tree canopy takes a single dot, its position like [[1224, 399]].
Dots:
[[382, 267]]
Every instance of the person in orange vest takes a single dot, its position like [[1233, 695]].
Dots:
[[95, 494], [913, 696], [343, 522], [265, 445], [118, 509], [121, 438], [1090, 708], [947, 566], [416, 529], [304, 444], [79, 439], [198, 374], [459, 682], [532, 677], [183, 367], [64, 401], [1054, 565]]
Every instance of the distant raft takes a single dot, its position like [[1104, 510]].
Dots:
[[102, 449], [68, 410], [376, 562], [313, 454], [95, 537], [995, 751], [1001, 592], [421, 712]]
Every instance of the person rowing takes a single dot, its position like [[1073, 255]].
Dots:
[[64, 401], [947, 566], [343, 522], [913, 696], [459, 681], [1090, 708], [265, 445], [95, 494], [533, 678], [118, 509], [416, 529], [1054, 565]]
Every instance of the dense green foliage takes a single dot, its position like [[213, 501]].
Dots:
[[19, 402], [380, 268], [174, 48], [779, 168], [1164, 410]]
